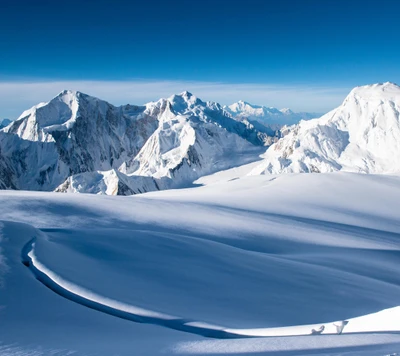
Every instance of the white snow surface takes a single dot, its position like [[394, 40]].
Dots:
[[261, 256], [362, 135]]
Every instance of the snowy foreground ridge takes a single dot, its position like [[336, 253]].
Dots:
[[227, 268], [79, 144]]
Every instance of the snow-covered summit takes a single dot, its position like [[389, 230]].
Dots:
[[184, 101], [361, 135], [71, 134], [242, 107], [195, 138], [379, 91], [286, 111]]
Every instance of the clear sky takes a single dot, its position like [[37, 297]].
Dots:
[[304, 54]]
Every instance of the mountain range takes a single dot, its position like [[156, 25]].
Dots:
[[268, 116], [78, 143]]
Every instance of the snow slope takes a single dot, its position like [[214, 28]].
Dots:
[[242, 257], [361, 135]]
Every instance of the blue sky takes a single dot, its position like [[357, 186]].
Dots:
[[305, 54]]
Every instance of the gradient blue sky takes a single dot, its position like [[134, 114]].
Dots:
[[304, 54]]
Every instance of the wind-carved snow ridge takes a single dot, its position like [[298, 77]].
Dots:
[[385, 321], [113, 307], [362, 135]]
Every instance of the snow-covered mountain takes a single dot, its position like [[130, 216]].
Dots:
[[195, 138], [361, 135], [179, 138], [4, 123], [268, 116], [77, 143], [73, 133]]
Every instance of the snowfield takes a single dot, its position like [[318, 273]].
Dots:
[[272, 265]]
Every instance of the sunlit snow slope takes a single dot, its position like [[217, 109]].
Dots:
[[361, 135], [246, 257]]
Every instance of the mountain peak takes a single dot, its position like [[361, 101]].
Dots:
[[186, 94], [183, 101], [67, 92], [387, 90], [246, 103], [361, 135], [286, 111]]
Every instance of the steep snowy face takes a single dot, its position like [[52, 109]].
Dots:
[[71, 134], [268, 116], [362, 135], [195, 138]]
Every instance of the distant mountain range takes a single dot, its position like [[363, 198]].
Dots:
[[4, 123], [268, 116], [78, 143]]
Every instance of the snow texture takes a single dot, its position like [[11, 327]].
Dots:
[[255, 256]]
